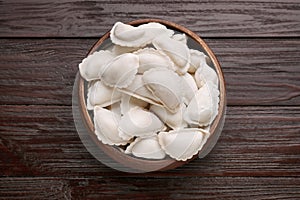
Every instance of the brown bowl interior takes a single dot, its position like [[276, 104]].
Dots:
[[144, 165]]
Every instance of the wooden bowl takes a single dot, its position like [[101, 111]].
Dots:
[[113, 156]]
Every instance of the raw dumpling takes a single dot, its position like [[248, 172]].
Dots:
[[206, 74], [189, 87], [183, 144], [198, 59], [173, 120], [150, 58], [118, 50], [91, 66], [203, 108], [166, 85], [121, 71], [106, 127], [130, 36], [128, 102], [180, 37], [178, 52], [140, 123], [138, 90], [101, 95], [146, 148]]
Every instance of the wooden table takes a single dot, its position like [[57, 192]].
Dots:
[[257, 155]]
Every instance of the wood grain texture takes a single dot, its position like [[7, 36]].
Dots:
[[256, 141], [257, 71], [34, 188], [258, 154], [40, 71], [75, 18], [150, 188]]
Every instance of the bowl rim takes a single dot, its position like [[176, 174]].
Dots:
[[145, 165]]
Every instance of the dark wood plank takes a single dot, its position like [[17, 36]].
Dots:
[[75, 18], [150, 188], [40, 71], [256, 141], [34, 188], [260, 71], [257, 71]]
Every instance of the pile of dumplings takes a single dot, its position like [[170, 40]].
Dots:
[[151, 95]]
